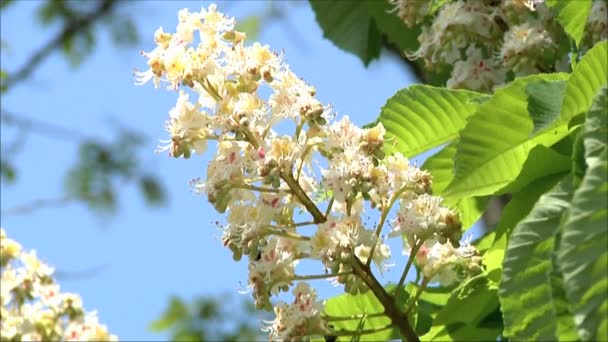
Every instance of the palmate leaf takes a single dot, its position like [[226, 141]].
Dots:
[[479, 321], [496, 141], [420, 117], [542, 161], [392, 26], [346, 305], [573, 16], [589, 76], [526, 296], [582, 255], [441, 166], [349, 25], [542, 106]]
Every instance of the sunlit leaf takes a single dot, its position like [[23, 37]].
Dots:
[[420, 117], [582, 254], [350, 27], [496, 142], [573, 16], [525, 290]]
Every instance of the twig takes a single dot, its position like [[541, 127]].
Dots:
[[41, 203], [51, 130], [398, 318], [410, 261], [71, 29]]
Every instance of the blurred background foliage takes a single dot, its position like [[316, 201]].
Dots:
[[104, 166], [211, 319]]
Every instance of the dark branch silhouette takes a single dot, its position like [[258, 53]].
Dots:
[[71, 29]]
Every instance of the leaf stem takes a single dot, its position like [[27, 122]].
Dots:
[[353, 317], [360, 332], [319, 276], [425, 282], [385, 212]]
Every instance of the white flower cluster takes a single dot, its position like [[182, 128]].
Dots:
[[488, 42], [32, 306], [597, 23], [265, 179], [300, 318], [445, 264]]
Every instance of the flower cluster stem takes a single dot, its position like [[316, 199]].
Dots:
[[303, 197], [410, 261]]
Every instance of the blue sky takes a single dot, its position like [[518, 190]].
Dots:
[[148, 254]]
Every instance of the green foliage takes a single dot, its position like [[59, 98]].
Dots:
[[78, 39], [535, 167], [395, 30], [209, 319], [573, 16], [436, 5], [526, 292], [441, 165], [469, 314], [541, 102], [102, 167], [250, 25], [362, 28], [419, 117], [583, 255], [587, 79], [495, 142], [546, 263], [362, 305], [350, 27], [7, 171]]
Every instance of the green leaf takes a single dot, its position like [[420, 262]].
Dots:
[[566, 329], [545, 102], [349, 26], [436, 5], [587, 79], [396, 31], [441, 165], [579, 164], [250, 25], [476, 295], [496, 141], [582, 255], [152, 190], [525, 291], [542, 161], [479, 298], [420, 117], [573, 16], [516, 210], [522, 203], [349, 305], [7, 171], [177, 311]]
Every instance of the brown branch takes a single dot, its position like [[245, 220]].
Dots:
[[398, 318], [41, 203], [51, 130], [71, 29]]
